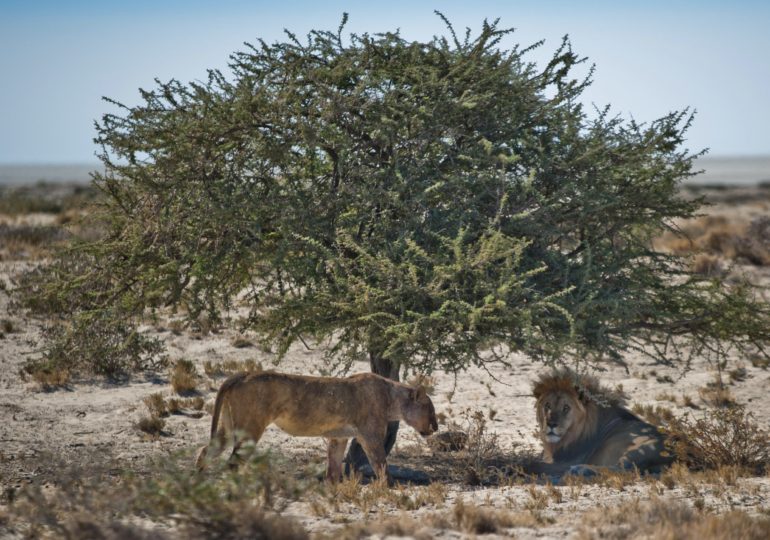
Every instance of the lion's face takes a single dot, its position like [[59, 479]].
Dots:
[[557, 414], [419, 413]]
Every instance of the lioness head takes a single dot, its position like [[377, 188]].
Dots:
[[559, 413], [418, 411]]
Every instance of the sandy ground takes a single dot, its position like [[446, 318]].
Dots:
[[93, 420]]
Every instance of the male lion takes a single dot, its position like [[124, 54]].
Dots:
[[584, 426], [358, 406]]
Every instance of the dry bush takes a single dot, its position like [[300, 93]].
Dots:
[[670, 520], [184, 377], [480, 448], [7, 326], [151, 425], [448, 441], [721, 438], [713, 238]]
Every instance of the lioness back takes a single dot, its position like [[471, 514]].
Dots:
[[303, 405]]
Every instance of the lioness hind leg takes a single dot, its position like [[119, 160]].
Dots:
[[240, 436], [211, 450], [336, 452]]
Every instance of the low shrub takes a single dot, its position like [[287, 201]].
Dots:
[[722, 438], [166, 501]]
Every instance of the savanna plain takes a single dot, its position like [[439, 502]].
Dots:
[[95, 458]]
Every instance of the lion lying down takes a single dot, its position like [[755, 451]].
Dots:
[[584, 426], [337, 409]]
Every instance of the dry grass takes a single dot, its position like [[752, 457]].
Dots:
[[47, 378], [184, 377], [377, 496], [654, 414], [669, 520], [716, 394], [230, 367], [177, 406], [474, 519], [708, 265], [157, 405]]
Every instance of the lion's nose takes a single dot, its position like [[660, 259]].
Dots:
[[552, 424]]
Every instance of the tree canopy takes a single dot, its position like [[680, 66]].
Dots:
[[433, 204]]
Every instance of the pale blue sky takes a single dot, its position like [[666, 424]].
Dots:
[[57, 58]]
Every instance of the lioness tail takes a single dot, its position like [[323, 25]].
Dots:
[[229, 383]]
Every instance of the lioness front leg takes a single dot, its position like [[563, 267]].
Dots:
[[375, 451], [336, 452]]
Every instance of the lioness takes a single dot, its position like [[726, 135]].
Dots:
[[358, 406], [584, 426]]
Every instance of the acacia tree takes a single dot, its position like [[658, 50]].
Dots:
[[420, 205]]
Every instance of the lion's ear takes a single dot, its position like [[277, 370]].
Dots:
[[413, 394], [581, 394]]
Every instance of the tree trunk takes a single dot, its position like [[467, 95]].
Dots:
[[356, 457]]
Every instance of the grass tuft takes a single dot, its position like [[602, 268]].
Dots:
[[184, 377]]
